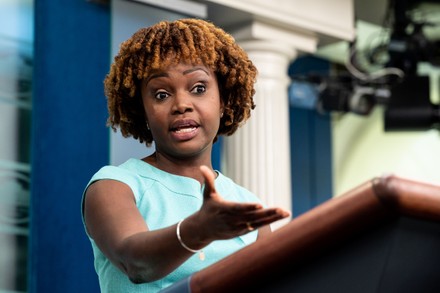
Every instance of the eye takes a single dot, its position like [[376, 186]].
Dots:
[[199, 89], [161, 95]]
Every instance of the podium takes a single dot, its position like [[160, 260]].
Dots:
[[382, 236]]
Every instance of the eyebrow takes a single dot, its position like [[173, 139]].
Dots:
[[156, 75], [195, 69], [164, 74]]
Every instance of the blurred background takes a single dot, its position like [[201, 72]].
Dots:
[[360, 105]]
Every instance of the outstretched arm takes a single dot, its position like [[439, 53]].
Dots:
[[117, 227]]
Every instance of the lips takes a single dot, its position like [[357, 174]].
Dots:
[[184, 126]]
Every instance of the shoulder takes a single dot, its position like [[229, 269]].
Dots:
[[128, 173], [119, 173]]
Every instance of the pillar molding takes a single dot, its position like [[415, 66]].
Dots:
[[257, 156]]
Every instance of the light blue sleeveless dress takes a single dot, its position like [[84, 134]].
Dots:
[[163, 199]]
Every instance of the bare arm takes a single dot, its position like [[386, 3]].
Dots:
[[119, 230], [117, 227]]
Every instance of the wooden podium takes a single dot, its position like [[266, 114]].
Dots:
[[382, 236]]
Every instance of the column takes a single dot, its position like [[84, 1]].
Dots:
[[257, 156]]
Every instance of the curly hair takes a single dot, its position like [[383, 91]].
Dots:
[[169, 43]]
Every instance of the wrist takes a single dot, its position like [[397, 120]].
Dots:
[[184, 244]]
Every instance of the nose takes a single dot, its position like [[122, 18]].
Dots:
[[182, 103]]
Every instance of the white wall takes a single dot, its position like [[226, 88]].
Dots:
[[362, 150]]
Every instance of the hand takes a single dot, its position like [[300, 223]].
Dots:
[[221, 219]]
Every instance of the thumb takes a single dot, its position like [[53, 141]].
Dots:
[[209, 181]]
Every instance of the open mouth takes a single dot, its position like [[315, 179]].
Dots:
[[184, 129], [183, 126]]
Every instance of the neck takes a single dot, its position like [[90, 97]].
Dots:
[[188, 167]]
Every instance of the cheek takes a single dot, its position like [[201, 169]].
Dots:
[[154, 119], [215, 111], [146, 108], [216, 101], [151, 118], [153, 112], [212, 106]]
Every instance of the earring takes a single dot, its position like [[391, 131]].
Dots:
[[148, 125], [221, 115]]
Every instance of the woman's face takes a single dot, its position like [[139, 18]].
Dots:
[[183, 108]]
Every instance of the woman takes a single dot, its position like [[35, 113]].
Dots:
[[156, 220]]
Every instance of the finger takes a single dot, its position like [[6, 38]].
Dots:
[[243, 208], [272, 211], [263, 214], [265, 217], [250, 227], [209, 181]]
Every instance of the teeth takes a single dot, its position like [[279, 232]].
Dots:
[[184, 130]]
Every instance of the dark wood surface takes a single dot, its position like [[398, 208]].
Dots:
[[315, 234]]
